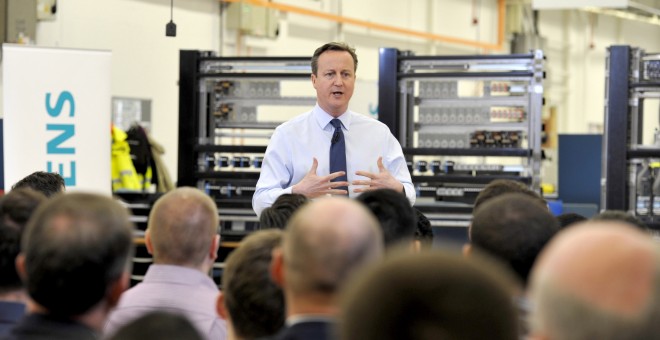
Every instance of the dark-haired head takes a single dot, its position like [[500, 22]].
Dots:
[[278, 214], [621, 216], [397, 218], [47, 183], [504, 186], [75, 251], [570, 218], [333, 46]]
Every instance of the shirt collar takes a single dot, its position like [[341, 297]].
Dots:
[[323, 118], [301, 318], [178, 274]]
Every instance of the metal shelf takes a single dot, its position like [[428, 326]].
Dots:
[[474, 101], [493, 152], [642, 153], [255, 125], [513, 75], [465, 127], [479, 179], [250, 177], [230, 148], [260, 75], [404, 77], [624, 155], [275, 101]]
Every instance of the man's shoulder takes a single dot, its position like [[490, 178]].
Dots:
[[296, 122], [37, 327], [367, 121]]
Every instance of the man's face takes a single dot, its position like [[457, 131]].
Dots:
[[334, 81]]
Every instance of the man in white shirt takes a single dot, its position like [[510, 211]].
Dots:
[[297, 159], [182, 237]]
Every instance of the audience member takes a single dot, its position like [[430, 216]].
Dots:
[[397, 218], [47, 183], [75, 264], [278, 214], [250, 301], [621, 216], [424, 231], [16, 207], [500, 187], [433, 295], [158, 325], [598, 280], [182, 237], [513, 229], [326, 242], [567, 219]]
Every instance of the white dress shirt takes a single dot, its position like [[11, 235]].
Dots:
[[174, 289], [294, 144]]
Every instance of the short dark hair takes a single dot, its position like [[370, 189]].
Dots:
[[397, 218], [514, 229], [48, 183], [504, 186], [424, 231], [16, 207], [333, 46], [254, 302], [75, 246], [567, 219], [621, 216], [278, 214], [158, 325], [431, 295]]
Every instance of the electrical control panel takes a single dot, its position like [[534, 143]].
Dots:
[[229, 107], [630, 162], [463, 121]]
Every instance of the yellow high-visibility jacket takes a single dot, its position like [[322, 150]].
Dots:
[[124, 176]]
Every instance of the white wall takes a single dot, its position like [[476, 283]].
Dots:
[[577, 43], [145, 62]]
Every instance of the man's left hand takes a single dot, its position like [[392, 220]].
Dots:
[[381, 180]]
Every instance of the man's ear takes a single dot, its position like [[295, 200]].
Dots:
[[536, 336], [220, 307], [215, 244], [277, 267], [313, 77], [147, 242], [20, 266], [118, 287], [467, 250], [416, 247]]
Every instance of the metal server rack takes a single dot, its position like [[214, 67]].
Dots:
[[228, 108], [454, 115], [630, 169]]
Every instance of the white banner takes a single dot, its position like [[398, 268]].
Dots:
[[576, 4], [57, 115]]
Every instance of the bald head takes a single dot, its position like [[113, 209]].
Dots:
[[326, 241], [598, 280], [182, 226]]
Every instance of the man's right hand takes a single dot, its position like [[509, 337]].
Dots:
[[313, 186]]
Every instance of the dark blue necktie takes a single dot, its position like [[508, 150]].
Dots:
[[338, 153]]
